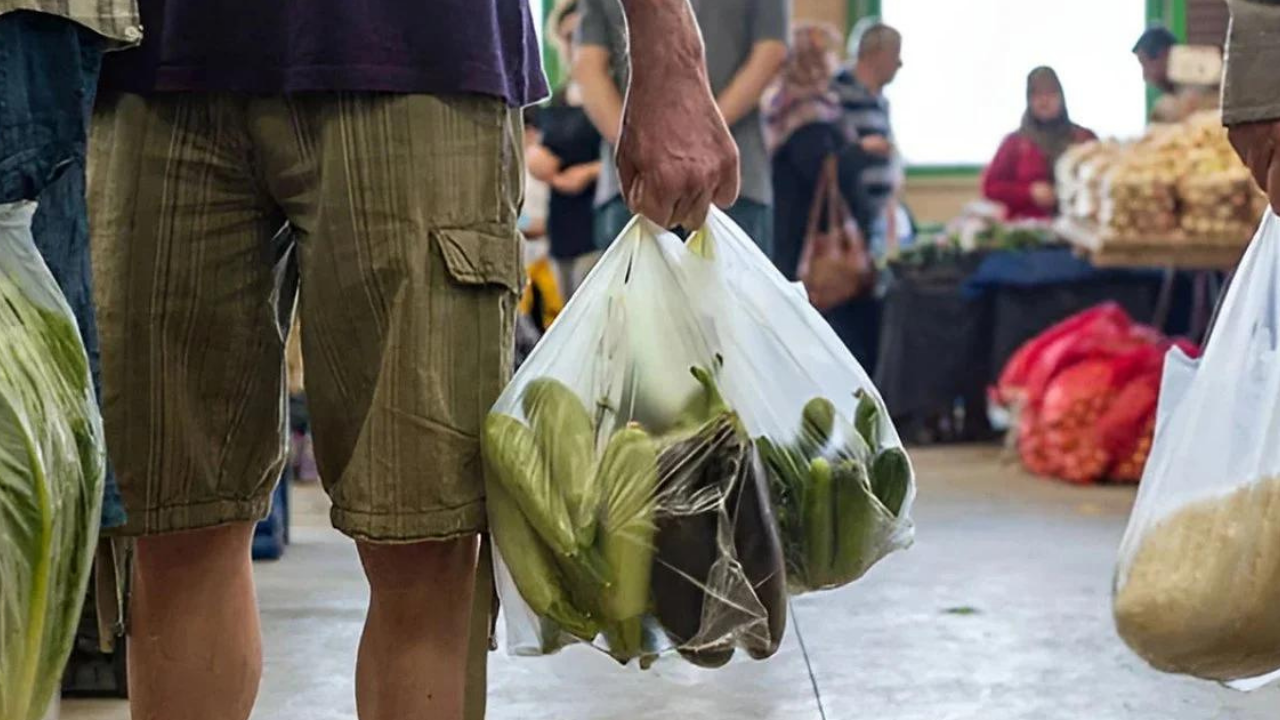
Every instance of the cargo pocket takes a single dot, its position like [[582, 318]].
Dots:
[[483, 256]]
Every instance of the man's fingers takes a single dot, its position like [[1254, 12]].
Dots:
[[653, 202], [726, 192], [693, 212], [627, 175]]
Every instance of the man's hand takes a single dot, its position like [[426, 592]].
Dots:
[[542, 163], [574, 180], [1258, 145], [675, 153], [1042, 194], [877, 145]]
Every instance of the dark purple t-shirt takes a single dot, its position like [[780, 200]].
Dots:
[[280, 46]]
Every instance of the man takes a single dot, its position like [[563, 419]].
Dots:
[[876, 53], [387, 134], [1173, 103], [1251, 90], [745, 48]]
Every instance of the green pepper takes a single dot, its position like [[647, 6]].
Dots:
[[532, 568], [511, 453], [566, 435], [628, 478]]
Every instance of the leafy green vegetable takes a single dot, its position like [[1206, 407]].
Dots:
[[52, 463]]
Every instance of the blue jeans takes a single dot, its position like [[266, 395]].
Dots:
[[48, 73], [756, 219]]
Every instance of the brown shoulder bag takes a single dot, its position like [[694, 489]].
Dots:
[[835, 266]]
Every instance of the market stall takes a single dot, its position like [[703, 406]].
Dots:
[[1177, 196], [959, 305]]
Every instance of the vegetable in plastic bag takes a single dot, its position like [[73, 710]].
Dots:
[[1199, 567], [51, 474], [704, 353], [842, 502]]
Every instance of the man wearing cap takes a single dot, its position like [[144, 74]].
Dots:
[[1174, 103]]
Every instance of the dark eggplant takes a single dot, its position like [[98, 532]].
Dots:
[[759, 548], [688, 517]]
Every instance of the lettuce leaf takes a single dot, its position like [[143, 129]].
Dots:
[[52, 463]]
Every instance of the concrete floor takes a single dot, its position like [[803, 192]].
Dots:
[[1000, 612]]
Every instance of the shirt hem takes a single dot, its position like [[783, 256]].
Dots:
[[121, 30], [346, 78]]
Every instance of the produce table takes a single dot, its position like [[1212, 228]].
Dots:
[[1207, 258], [947, 331], [1175, 251]]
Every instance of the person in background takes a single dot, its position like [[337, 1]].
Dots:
[[1251, 90], [875, 53], [567, 158], [51, 54], [540, 299], [536, 203], [1173, 104], [1021, 177], [802, 130], [745, 48], [389, 139]]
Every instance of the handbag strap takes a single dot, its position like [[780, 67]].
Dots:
[[822, 194]]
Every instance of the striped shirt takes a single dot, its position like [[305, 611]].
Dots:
[[115, 20], [863, 114]]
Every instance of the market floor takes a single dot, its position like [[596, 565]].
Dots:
[[1000, 612]]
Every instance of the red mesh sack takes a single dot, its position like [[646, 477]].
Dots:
[[1029, 372], [1062, 440]]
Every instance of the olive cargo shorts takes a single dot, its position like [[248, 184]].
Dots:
[[403, 211]]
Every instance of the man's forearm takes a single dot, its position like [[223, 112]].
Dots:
[[601, 97], [663, 38], [747, 87], [1251, 90]]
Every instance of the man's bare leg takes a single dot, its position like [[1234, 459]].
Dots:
[[413, 654], [195, 644]]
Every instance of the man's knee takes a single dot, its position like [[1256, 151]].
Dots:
[[444, 568], [210, 551]]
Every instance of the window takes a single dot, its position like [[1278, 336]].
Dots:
[[963, 84]]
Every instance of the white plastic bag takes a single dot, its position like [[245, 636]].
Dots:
[[1199, 567], [52, 464], [632, 460]]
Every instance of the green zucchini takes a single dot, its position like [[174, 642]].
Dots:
[[861, 523], [818, 520], [867, 419], [818, 421], [891, 479]]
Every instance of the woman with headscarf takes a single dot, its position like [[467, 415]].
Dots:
[[802, 129], [1021, 175]]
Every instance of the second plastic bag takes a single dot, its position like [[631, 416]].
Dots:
[[1199, 568], [52, 461], [634, 462]]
